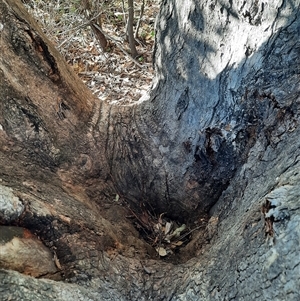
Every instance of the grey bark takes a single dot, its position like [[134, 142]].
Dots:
[[218, 131]]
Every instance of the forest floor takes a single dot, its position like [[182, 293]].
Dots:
[[110, 73]]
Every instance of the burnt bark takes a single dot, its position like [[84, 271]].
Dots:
[[217, 135]]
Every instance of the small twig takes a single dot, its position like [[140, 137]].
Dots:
[[124, 14], [76, 29], [139, 220], [139, 20], [188, 233]]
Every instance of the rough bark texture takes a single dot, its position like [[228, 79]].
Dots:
[[219, 131]]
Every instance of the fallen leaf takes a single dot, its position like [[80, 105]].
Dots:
[[176, 244], [160, 218], [161, 251], [176, 232], [168, 227]]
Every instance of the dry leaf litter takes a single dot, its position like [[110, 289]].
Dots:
[[111, 75], [165, 235]]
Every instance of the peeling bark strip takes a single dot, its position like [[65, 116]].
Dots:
[[218, 134], [269, 220]]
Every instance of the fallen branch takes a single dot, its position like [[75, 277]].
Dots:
[[120, 47]]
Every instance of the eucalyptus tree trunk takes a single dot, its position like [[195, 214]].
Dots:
[[217, 135]]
